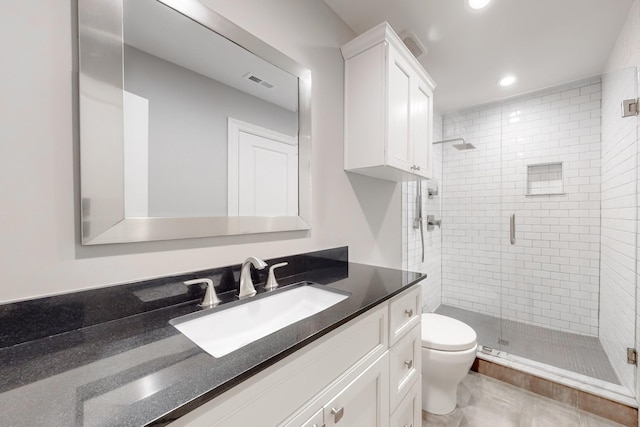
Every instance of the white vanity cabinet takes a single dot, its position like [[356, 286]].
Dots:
[[350, 377], [388, 108], [359, 399]]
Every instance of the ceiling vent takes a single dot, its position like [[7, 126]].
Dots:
[[257, 80], [413, 43]]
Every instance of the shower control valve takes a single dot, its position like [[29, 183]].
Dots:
[[432, 222]]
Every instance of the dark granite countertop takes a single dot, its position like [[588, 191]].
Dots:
[[138, 369]]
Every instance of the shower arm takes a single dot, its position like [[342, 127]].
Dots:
[[449, 140]]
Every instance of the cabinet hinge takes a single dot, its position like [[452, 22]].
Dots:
[[632, 356], [630, 107]]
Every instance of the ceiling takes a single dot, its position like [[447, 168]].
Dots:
[[159, 30], [543, 42]]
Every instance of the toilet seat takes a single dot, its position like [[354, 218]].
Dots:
[[446, 334]]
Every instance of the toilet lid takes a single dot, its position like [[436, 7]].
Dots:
[[444, 333]]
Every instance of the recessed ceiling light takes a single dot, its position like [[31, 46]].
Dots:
[[507, 80], [478, 4]]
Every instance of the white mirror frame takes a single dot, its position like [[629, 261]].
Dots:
[[101, 84]]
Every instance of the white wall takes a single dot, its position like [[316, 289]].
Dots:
[[38, 158], [412, 245], [620, 188], [550, 276]]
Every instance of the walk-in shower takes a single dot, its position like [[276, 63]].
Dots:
[[561, 299]]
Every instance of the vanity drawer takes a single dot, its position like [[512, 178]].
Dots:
[[409, 412], [405, 364], [404, 313]]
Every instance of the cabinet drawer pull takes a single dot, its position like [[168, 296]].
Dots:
[[409, 363], [409, 312], [337, 414]]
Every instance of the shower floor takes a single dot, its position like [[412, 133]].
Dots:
[[573, 352]]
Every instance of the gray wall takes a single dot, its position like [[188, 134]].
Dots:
[[188, 133], [40, 252]]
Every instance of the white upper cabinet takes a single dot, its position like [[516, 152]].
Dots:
[[388, 108]]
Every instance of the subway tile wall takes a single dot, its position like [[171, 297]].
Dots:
[[625, 54], [550, 276], [412, 246], [618, 239]]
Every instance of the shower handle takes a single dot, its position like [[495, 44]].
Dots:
[[512, 229], [432, 222]]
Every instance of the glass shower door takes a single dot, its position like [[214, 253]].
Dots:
[[618, 244], [561, 159]]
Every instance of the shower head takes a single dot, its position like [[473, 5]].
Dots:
[[463, 146]]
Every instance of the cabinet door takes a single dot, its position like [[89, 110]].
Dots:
[[422, 123], [399, 152], [409, 412], [365, 401]]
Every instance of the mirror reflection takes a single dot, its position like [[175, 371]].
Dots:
[[210, 129]]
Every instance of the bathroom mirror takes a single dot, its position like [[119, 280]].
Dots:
[[189, 126]]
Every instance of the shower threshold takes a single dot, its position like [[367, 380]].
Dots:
[[606, 390], [569, 359]]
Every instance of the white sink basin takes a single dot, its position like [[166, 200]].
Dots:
[[224, 331]]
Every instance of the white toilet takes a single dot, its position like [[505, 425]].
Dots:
[[448, 351]]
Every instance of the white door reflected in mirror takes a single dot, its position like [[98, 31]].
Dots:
[[263, 171]]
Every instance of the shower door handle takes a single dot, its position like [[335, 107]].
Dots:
[[512, 229]]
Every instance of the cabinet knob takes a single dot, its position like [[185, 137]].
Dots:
[[409, 312], [409, 363], [337, 414]]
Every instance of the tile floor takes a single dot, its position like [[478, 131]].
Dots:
[[577, 353], [484, 401]]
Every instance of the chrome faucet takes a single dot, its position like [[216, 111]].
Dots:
[[246, 285]]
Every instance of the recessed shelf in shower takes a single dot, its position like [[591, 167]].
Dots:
[[544, 179]]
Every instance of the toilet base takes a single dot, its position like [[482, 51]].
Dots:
[[437, 401], [442, 371]]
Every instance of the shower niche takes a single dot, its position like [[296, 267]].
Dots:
[[544, 179]]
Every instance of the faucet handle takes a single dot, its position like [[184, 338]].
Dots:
[[210, 298], [272, 283]]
